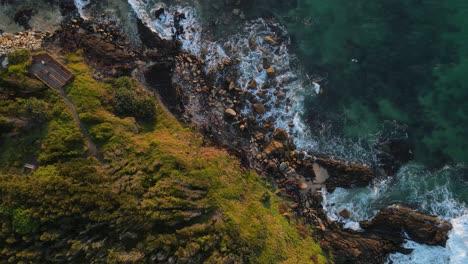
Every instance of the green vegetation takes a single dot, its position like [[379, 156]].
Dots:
[[18, 56], [130, 101], [162, 195]]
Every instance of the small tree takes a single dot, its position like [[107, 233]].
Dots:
[[18, 56], [129, 101]]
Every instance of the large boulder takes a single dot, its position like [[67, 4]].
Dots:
[[280, 134], [422, 228], [275, 148], [346, 174], [355, 247]]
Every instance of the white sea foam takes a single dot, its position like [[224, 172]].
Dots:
[[80, 5]]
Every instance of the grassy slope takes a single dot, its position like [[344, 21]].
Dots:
[[193, 199]]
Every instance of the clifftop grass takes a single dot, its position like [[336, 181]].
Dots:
[[163, 195]]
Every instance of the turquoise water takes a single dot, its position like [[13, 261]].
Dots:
[[403, 60]]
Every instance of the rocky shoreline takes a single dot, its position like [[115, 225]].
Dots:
[[213, 105], [31, 40], [211, 102], [214, 110]]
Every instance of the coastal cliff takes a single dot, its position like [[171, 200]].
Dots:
[[168, 192]]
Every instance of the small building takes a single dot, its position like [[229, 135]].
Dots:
[[51, 72], [28, 168]]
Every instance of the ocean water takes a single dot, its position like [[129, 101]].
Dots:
[[345, 69]]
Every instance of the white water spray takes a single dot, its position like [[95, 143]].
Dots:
[[80, 5]]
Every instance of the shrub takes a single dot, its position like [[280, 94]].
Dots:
[[18, 56], [125, 82], [129, 103], [23, 223], [63, 141], [102, 132], [36, 110]]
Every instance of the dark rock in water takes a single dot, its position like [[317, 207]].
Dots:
[[23, 16], [178, 17], [280, 134], [159, 12], [345, 214], [259, 108], [381, 236], [151, 40], [362, 248], [422, 228], [343, 174], [393, 154]]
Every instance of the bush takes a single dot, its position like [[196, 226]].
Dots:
[[129, 103], [23, 223], [102, 132], [125, 82], [36, 110], [63, 141], [18, 56]]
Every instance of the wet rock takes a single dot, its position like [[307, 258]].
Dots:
[[280, 134], [265, 63], [393, 154], [345, 214], [230, 112], [422, 228], [275, 148], [270, 40], [346, 174], [159, 12], [271, 72], [353, 247], [284, 166], [303, 185], [259, 108], [252, 84]]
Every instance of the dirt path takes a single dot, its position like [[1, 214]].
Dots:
[[92, 149]]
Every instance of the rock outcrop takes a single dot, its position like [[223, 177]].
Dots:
[[346, 174], [102, 42], [422, 228]]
